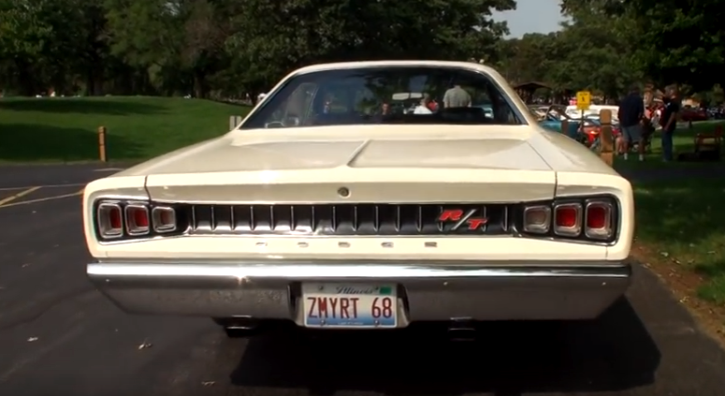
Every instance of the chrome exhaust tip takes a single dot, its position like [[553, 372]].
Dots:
[[462, 330], [238, 323]]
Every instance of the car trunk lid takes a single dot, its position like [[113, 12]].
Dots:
[[423, 168]]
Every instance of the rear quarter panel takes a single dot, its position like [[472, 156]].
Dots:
[[580, 172]]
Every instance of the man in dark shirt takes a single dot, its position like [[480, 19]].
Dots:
[[669, 121], [631, 111]]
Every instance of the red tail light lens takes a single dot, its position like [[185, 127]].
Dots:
[[137, 219], [164, 219], [568, 219], [537, 219], [599, 220], [110, 220]]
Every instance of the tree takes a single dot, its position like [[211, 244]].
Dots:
[[678, 41], [212, 47]]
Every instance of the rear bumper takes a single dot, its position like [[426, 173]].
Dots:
[[428, 291]]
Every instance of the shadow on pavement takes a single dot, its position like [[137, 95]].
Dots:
[[612, 353]]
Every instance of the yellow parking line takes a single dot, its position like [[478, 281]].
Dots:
[[43, 186], [30, 201], [18, 195]]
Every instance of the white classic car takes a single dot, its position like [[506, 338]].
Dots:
[[328, 208]]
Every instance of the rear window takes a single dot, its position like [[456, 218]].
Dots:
[[385, 95]]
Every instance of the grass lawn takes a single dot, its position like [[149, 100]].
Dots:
[[682, 222], [65, 129]]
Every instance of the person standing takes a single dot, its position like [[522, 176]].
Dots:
[[631, 113], [456, 97], [668, 120]]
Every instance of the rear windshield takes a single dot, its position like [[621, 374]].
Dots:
[[385, 95]]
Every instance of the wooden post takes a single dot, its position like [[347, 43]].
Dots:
[[102, 143], [565, 127], [234, 121], [605, 137]]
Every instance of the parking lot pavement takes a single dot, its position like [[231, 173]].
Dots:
[[59, 336], [19, 176]]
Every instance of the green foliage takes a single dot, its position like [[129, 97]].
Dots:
[[677, 41], [592, 51], [212, 48], [216, 47]]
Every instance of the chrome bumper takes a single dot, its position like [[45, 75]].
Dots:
[[429, 291]]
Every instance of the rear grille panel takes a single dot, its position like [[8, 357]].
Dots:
[[349, 219]]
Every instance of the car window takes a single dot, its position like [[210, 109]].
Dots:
[[385, 95]]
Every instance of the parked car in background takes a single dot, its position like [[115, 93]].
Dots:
[[552, 120], [693, 114], [330, 216], [717, 113], [585, 131], [593, 112]]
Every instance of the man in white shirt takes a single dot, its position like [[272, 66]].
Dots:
[[422, 107]]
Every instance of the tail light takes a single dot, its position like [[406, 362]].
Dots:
[[164, 219], [591, 130], [537, 219], [110, 220], [568, 219], [116, 219], [586, 218], [599, 220], [137, 220]]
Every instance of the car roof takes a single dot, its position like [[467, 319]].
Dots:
[[394, 63]]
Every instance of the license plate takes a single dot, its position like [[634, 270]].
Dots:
[[350, 305]]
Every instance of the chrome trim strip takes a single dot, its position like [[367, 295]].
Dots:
[[313, 238], [324, 269]]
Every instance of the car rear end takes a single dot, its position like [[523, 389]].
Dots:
[[383, 249]]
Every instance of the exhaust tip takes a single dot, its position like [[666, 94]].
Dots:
[[462, 329]]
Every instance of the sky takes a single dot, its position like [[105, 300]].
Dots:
[[532, 16]]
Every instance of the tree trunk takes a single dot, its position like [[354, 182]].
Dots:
[[199, 84], [26, 81]]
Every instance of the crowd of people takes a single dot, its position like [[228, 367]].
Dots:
[[638, 122]]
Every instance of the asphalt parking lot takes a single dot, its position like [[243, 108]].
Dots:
[[58, 336]]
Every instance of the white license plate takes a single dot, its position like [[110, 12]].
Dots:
[[349, 305]]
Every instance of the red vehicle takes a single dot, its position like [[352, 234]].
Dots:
[[694, 114], [591, 130]]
